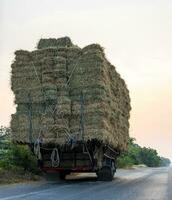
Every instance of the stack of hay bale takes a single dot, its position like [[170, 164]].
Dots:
[[67, 93]]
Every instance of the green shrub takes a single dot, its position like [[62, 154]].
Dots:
[[23, 157], [19, 156], [124, 161], [14, 156]]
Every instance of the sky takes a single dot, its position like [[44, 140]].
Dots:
[[136, 35]]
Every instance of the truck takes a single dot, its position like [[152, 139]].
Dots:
[[73, 108]]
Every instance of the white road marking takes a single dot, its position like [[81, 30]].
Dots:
[[32, 193]]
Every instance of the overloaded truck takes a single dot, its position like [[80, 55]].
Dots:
[[72, 107]]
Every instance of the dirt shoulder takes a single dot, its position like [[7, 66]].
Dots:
[[17, 176]]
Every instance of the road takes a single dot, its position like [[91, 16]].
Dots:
[[137, 184]]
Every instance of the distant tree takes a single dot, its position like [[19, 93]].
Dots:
[[140, 155], [149, 157], [165, 162], [5, 131]]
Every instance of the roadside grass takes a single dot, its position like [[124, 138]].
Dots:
[[17, 175]]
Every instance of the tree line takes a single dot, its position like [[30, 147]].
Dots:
[[137, 155]]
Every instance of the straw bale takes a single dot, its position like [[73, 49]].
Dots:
[[52, 42]]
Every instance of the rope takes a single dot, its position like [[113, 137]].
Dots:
[[37, 149], [55, 158], [87, 152], [35, 71], [76, 64]]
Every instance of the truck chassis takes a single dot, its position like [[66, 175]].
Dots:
[[90, 156]]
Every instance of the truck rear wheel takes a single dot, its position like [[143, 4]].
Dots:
[[51, 176], [105, 174], [62, 175]]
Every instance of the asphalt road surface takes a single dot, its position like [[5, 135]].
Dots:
[[138, 184]]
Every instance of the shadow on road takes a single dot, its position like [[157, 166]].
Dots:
[[78, 178], [81, 177]]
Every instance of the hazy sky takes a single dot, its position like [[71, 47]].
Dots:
[[136, 34]]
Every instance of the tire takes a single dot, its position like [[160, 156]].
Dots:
[[113, 168], [51, 177], [105, 174], [63, 174]]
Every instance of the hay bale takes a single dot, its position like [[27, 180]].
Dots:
[[52, 42], [54, 76]]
